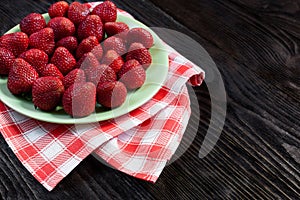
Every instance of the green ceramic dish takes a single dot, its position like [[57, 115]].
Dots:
[[156, 75]]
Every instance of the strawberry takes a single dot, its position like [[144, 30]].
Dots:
[[32, 23], [88, 5], [47, 92], [86, 61], [132, 74], [111, 94], [62, 27], [38, 59], [118, 29], [78, 12], [140, 35], [91, 26], [128, 65], [87, 45], [114, 43], [100, 74], [107, 11], [69, 42], [94, 71], [21, 77], [6, 61], [138, 52], [17, 42], [79, 100], [98, 51], [113, 60], [51, 70], [43, 40], [63, 60], [58, 9], [74, 76]]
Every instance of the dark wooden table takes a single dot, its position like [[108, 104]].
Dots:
[[255, 44]]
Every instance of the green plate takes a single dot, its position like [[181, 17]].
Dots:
[[156, 75]]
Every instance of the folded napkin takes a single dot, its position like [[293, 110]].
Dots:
[[138, 143]]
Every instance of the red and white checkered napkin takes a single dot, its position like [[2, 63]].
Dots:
[[138, 143]]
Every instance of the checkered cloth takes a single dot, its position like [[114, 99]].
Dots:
[[138, 143]]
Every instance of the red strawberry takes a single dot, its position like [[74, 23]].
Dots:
[[79, 100], [98, 51], [87, 45], [74, 76], [132, 74], [17, 42], [63, 60], [87, 4], [100, 74], [86, 61], [58, 9], [78, 12], [62, 27], [118, 29], [32, 23], [38, 59], [107, 11], [51, 70], [128, 65], [21, 77], [113, 60], [43, 40], [138, 52], [140, 35], [91, 26], [114, 43], [47, 93], [6, 61], [111, 94], [69, 43]]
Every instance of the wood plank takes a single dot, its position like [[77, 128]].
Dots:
[[263, 89]]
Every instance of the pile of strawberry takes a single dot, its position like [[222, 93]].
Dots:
[[69, 62]]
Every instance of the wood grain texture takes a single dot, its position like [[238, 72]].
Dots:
[[255, 44]]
